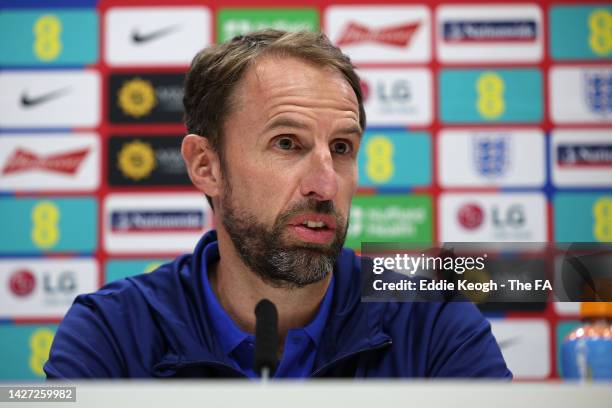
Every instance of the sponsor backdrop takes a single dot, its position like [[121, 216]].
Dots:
[[487, 122]]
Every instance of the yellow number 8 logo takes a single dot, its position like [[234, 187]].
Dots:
[[600, 24], [45, 232], [40, 344], [379, 151], [602, 212], [47, 44], [490, 87]]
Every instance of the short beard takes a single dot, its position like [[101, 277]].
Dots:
[[277, 263]]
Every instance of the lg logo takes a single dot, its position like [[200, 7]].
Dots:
[[513, 216], [396, 91], [62, 283], [23, 282], [471, 216], [386, 92]]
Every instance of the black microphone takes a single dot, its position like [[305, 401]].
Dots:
[[266, 338]]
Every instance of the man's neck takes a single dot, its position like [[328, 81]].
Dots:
[[239, 289]]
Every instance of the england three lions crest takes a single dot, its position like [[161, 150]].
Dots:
[[492, 155]]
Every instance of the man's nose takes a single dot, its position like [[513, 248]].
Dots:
[[320, 179]]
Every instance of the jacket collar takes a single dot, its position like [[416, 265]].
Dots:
[[352, 326]]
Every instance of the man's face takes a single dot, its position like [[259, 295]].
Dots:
[[289, 169]]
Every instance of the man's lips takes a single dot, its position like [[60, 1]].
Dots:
[[318, 235], [330, 222]]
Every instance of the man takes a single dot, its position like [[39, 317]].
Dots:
[[275, 122]]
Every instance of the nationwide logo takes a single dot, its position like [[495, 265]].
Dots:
[[598, 92], [136, 160], [491, 155], [137, 97], [23, 160], [584, 155], [22, 282], [396, 36], [488, 33], [518, 31], [470, 216], [128, 221], [154, 223]]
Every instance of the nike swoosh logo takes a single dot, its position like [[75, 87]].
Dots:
[[29, 102], [509, 342], [140, 38]]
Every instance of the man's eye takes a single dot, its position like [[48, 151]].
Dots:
[[341, 147], [285, 143]]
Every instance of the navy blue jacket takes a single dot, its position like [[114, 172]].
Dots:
[[155, 325]]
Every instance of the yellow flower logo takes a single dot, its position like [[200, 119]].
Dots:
[[137, 97], [136, 160]]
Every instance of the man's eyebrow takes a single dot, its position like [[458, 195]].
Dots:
[[285, 122], [351, 130], [292, 123]]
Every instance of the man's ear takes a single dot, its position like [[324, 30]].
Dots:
[[202, 163]]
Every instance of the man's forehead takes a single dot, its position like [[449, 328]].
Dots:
[[288, 72]]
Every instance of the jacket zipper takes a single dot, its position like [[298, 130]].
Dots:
[[315, 374], [349, 355], [209, 363]]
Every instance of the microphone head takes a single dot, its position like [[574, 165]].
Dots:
[[266, 336]]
